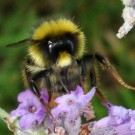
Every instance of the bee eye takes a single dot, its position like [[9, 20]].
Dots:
[[50, 45], [70, 46], [61, 45]]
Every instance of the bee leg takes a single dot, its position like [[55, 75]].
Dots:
[[47, 78], [89, 59], [31, 79], [41, 74], [98, 92], [83, 73], [62, 83], [107, 65], [34, 88], [32, 83]]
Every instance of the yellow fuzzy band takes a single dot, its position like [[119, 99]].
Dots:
[[54, 27], [64, 59]]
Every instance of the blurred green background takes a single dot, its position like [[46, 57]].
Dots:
[[99, 19]]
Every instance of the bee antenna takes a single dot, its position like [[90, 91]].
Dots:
[[18, 43]]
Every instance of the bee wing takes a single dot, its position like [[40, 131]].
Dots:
[[18, 43]]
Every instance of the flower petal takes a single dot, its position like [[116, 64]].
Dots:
[[79, 91], [44, 95], [26, 121], [25, 95], [126, 129], [87, 98]]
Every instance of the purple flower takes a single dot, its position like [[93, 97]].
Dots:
[[121, 121], [67, 114], [30, 110], [71, 107], [73, 104]]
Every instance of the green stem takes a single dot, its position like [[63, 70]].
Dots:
[[7, 119], [3, 114]]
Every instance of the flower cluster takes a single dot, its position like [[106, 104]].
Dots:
[[120, 121], [73, 105], [128, 16], [34, 119], [30, 110], [32, 114]]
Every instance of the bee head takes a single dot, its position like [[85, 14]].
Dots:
[[66, 43], [55, 39]]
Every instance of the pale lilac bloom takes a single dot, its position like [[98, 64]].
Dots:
[[30, 111], [121, 121], [72, 104], [67, 114], [71, 107], [44, 95]]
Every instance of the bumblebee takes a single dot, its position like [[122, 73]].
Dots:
[[57, 60]]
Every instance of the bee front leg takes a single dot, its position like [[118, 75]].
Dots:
[[34, 88], [31, 80], [32, 84]]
